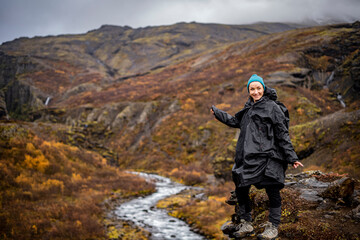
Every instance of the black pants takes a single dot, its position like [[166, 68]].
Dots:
[[273, 192]]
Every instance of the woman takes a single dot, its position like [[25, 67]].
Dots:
[[263, 152]]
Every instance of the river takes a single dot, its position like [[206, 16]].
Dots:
[[142, 211]]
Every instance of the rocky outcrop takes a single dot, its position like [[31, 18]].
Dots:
[[297, 77], [315, 186], [3, 110], [94, 127], [336, 64], [18, 98], [331, 198], [22, 99], [333, 64]]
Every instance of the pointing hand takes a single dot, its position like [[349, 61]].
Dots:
[[297, 163]]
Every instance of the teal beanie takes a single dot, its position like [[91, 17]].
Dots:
[[255, 78]]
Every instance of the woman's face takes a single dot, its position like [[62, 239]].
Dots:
[[256, 91]]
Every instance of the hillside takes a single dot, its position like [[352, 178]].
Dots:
[[140, 98], [50, 190], [63, 66]]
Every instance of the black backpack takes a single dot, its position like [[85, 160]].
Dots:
[[285, 111]]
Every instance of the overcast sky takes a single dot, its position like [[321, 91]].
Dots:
[[29, 18]]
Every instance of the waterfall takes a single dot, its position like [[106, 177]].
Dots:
[[330, 78], [339, 97], [47, 101]]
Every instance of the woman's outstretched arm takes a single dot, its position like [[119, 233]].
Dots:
[[225, 118]]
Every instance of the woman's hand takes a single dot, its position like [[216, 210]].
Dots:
[[297, 164]]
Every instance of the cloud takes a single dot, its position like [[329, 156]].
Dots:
[[50, 17]]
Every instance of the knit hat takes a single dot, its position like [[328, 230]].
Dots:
[[255, 78]]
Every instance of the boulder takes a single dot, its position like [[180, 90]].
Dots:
[[228, 227], [356, 213], [340, 189]]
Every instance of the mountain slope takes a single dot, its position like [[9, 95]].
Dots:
[[161, 116], [62, 66], [140, 99]]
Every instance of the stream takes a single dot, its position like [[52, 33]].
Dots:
[[142, 211]]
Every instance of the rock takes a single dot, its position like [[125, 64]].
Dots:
[[309, 187], [356, 198], [200, 196], [355, 213], [326, 205], [290, 183], [313, 182], [328, 216], [357, 217], [296, 77], [228, 87], [340, 189], [228, 227], [85, 87], [303, 175], [3, 110], [310, 195]]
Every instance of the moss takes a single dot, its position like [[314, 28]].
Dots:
[[302, 136], [126, 231], [173, 202], [113, 233]]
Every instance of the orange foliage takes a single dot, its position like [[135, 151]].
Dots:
[[50, 190], [188, 176], [188, 105], [36, 160]]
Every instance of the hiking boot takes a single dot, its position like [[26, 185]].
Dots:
[[270, 232], [232, 199], [244, 229]]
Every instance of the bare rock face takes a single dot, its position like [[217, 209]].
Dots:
[[3, 111], [17, 96]]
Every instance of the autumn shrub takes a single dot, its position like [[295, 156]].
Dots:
[[49, 190], [25, 181], [52, 186], [76, 220], [39, 162], [220, 189], [188, 176], [206, 215]]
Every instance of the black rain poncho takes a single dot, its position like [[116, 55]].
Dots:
[[264, 148]]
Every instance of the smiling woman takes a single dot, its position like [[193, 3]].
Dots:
[[256, 87], [263, 152]]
